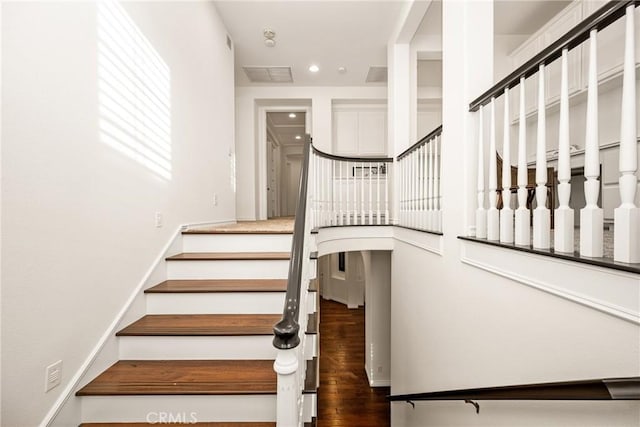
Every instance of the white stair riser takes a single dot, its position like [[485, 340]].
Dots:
[[312, 302], [251, 269], [236, 243], [311, 346], [313, 268], [309, 406], [194, 408], [251, 347], [215, 303]]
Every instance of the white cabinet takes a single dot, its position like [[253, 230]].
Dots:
[[360, 132], [345, 132]]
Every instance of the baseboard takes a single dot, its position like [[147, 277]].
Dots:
[[111, 330]]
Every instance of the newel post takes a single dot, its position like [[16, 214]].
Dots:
[[286, 367]]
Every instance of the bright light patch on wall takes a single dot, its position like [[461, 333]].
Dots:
[[134, 86]]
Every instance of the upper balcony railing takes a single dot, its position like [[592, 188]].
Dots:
[[497, 222], [351, 190], [420, 195]]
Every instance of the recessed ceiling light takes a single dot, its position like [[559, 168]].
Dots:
[[292, 115], [342, 70], [314, 68], [298, 137]]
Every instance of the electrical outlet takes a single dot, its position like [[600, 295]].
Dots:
[[215, 199], [53, 376], [158, 218]]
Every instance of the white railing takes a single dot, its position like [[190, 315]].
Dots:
[[497, 224], [420, 195], [351, 191]]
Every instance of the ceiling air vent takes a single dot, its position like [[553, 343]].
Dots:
[[377, 75], [269, 74]]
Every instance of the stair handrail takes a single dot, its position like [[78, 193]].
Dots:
[[422, 141], [286, 331], [352, 159], [627, 388], [600, 19]]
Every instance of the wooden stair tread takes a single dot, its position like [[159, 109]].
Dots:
[[223, 256], [220, 285], [203, 424], [184, 377], [237, 231], [202, 325]]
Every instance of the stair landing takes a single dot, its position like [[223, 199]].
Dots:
[[282, 225]]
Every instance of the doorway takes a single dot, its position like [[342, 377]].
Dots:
[[285, 136]]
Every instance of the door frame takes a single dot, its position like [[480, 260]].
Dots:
[[262, 167]]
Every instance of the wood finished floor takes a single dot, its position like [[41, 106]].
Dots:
[[345, 398]]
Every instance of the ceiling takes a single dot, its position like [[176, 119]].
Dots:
[[285, 128], [524, 16], [331, 34]]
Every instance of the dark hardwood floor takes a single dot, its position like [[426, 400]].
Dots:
[[345, 398]]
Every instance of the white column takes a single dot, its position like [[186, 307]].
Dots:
[[563, 217], [591, 216], [286, 365], [506, 214], [493, 216], [481, 213], [627, 216], [541, 215], [523, 215]]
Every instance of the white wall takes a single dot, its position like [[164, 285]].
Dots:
[[77, 215], [377, 308], [247, 101], [457, 326]]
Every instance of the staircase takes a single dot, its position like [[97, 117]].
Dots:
[[203, 352]]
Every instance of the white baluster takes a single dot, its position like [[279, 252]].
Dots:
[[563, 217], [387, 177], [422, 176], [481, 213], [370, 196], [403, 192], [506, 214], [362, 215], [436, 185], [591, 216], [413, 182], [493, 221], [431, 190], [627, 216], [334, 191], [341, 188], [348, 190], [522, 214], [541, 214], [378, 193]]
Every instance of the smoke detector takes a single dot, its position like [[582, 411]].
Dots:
[[269, 37]]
